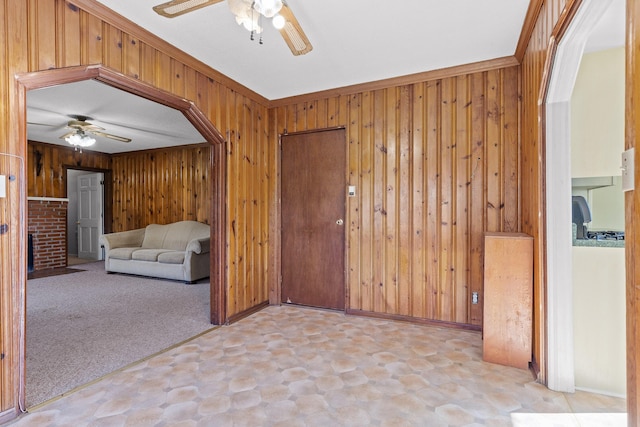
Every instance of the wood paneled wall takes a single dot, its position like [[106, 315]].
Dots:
[[160, 186], [60, 34], [436, 164], [46, 173], [533, 163], [39, 35], [152, 186]]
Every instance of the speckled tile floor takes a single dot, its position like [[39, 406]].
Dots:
[[293, 366]]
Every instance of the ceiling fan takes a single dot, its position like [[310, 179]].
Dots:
[[248, 13], [81, 131]]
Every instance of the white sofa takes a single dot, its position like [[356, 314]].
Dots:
[[177, 251]]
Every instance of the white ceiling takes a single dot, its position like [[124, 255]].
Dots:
[[355, 41], [148, 124]]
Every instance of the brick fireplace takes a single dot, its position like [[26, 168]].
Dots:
[[47, 219]]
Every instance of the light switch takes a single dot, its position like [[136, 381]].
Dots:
[[352, 191], [628, 170], [3, 186]]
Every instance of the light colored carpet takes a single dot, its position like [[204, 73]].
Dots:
[[84, 325]]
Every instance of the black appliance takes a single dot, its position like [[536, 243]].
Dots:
[[581, 214]]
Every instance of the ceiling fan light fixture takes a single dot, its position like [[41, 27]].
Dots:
[[278, 21], [267, 8], [80, 139]]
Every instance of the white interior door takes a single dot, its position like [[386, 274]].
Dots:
[[90, 218]]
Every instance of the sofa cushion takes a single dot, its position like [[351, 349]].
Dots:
[[173, 236], [172, 257], [147, 254], [122, 253]]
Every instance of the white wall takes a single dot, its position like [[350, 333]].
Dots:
[[597, 141], [597, 115], [599, 320]]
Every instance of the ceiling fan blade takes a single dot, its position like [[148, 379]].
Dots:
[[40, 124], [108, 135], [174, 8], [292, 33], [67, 134]]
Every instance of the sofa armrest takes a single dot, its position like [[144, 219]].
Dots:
[[199, 246], [131, 238]]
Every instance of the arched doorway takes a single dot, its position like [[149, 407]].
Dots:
[[217, 192], [565, 53]]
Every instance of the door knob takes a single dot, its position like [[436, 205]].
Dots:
[[340, 221]]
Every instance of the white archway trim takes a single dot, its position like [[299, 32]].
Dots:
[[560, 357]]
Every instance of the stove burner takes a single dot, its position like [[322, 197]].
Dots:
[[605, 235]]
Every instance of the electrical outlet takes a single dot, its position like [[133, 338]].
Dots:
[[474, 298]]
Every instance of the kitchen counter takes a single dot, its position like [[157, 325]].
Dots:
[[596, 243]]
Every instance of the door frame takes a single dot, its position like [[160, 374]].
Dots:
[[217, 192], [275, 291], [107, 194], [565, 52]]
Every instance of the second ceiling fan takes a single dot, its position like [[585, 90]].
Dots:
[[248, 14]]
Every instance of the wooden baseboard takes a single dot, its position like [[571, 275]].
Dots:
[[247, 313], [420, 321]]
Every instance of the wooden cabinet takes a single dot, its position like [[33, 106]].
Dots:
[[508, 298]]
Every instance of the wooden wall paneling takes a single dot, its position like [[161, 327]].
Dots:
[[241, 170], [390, 150], [405, 200], [113, 47], [275, 225], [178, 81], [233, 208], [148, 68], [50, 182], [433, 198], [477, 212], [164, 79], [266, 170], [446, 255], [321, 113], [14, 41], [92, 39], [43, 40], [433, 186], [312, 119], [192, 86], [379, 200], [300, 114], [204, 174], [250, 220], [68, 28], [12, 214], [511, 138], [372, 208], [462, 200], [418, 195], [130, 56], [494, 151], [359, 174]]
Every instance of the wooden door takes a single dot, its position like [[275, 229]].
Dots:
[[313, 215], [90, 215]]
